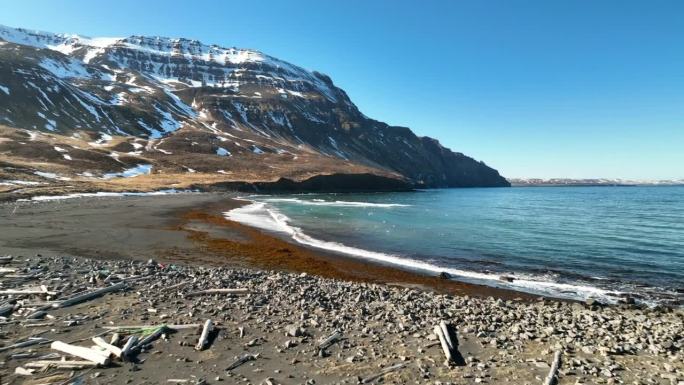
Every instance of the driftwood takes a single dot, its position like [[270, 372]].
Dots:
[[38, 325], [126, 350], [6, 310], [447, 332], [382, 373], [247, 357], [176, 286], [79, 351], [137, 327], [23, 372], [23, 344], [204, 337], [28, 292], [552, 377], [449, 342], [218, 291], [39, 312], [22, 356], [92, 294], [60, 364], [108, 347], [116, 337], [445, 345], [149, 338], [328, 342]]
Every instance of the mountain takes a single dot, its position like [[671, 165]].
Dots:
[[177, 111]]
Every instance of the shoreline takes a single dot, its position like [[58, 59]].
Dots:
[[143, 226], [291, 299], [268, 251], [210, 238]]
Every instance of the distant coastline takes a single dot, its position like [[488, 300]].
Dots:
[[568, 182]]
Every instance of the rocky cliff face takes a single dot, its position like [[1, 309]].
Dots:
[[183, 106]]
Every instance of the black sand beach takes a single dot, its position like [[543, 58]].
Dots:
[[187, 228], [162, 249]]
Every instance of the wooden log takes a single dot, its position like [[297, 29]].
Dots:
[[110, 348], [149, 338], [60, 364], [92, 294], [23, 372], [329, 341], [247, 357], [38, 325], [29, 354], [116, 337], [23, 344], [204, 337], [218, 291], [445, 345], [176, 286], [79, 351], [27, 292], [138, 327], [21, 356], [6, 310], [36, 315], [553, 372], [382, 373], [126, 350], [447, 332]]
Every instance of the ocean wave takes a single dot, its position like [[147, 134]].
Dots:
[[263, 216], [321, 202]]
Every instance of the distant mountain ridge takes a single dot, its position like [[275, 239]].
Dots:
[[181, 106], [593, 182]]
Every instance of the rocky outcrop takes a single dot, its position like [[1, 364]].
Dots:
[[335, 183]]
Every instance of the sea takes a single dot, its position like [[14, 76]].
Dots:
[[606, 243]]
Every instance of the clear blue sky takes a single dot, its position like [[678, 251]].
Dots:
[[548, 88]]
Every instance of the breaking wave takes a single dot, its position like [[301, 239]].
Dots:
[[263, 216], [321, 202]]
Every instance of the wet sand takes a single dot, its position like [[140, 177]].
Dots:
[[188, 229]]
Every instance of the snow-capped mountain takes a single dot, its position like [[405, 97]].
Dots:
[[180, 105]]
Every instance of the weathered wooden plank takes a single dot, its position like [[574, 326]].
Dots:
[[82, 352]]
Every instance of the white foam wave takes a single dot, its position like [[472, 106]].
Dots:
[[320, 202], [260, 215]]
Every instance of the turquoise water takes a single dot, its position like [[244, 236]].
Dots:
[[573, 242]]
